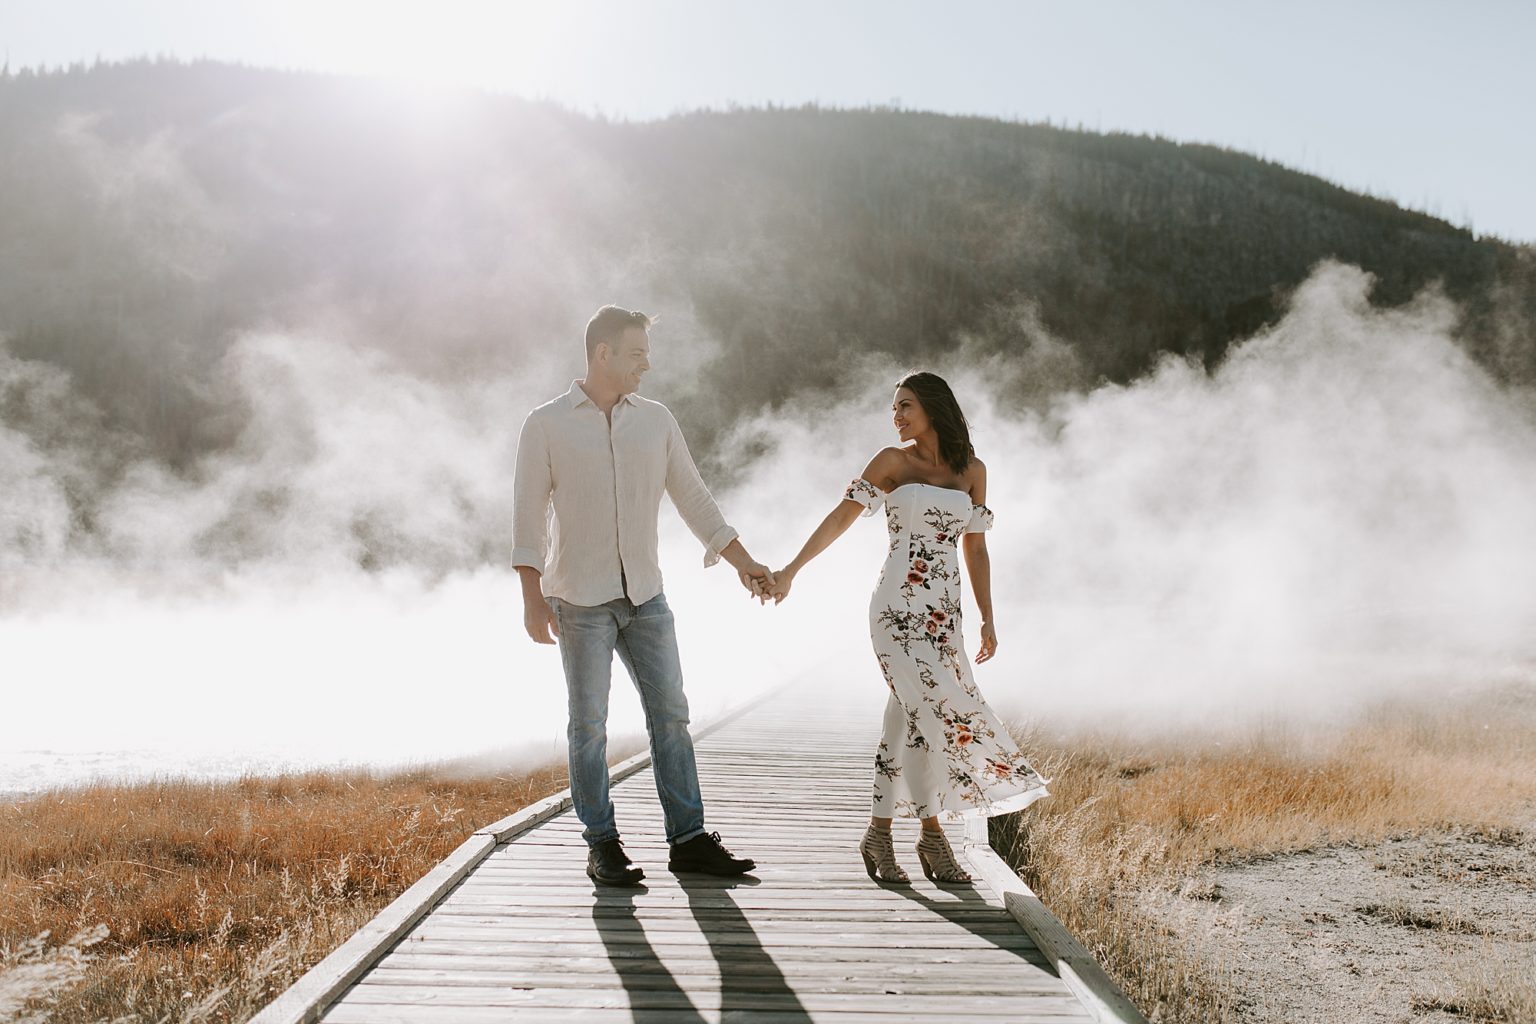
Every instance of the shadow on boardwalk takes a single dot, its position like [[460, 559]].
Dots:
[[955, 912], [749, 977]]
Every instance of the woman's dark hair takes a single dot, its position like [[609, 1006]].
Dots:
[[944, 413]]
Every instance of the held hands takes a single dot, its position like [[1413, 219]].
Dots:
[[758, 580], [780, 590], [762, 583]]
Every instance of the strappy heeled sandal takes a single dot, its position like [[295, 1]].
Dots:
[[879, 855], [938, 859]]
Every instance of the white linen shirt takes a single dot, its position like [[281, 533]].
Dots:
[[605, 485]]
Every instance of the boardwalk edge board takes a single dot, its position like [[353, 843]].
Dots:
[[306, 999], [1076, 966]]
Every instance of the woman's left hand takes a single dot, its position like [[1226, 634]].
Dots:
[[988, 643], [783, 580]]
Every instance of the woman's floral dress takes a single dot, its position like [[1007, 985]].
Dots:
[[943, 751]]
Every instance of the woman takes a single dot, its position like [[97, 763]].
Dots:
[[943, 750]]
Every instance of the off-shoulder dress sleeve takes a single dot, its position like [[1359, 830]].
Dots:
[[980, 521], [866, 494]]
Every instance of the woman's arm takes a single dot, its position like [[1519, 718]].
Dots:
[[833, 526], [978, 566]]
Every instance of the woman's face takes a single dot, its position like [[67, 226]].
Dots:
[[908, 415]]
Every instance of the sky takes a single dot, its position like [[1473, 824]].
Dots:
[[1424, 103]]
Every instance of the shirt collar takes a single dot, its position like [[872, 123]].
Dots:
[[576, 397]]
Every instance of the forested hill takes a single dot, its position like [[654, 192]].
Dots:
[[153, 210]]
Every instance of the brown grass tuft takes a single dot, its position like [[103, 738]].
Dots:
[[1488, 989], [1404, 916], [215, 896], [1137, 817]]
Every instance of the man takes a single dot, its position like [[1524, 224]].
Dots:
[[603, 455]]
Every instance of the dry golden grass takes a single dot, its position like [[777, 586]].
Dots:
[[215, 896], [1137, 816], [1489, 990]]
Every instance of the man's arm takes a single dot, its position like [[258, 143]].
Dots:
[[697, 507], [532, 485]]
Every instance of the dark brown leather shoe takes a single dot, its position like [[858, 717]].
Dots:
[[608, 864], [705, 854]]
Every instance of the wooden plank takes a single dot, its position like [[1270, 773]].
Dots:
[[703, 886], [789, 954], [827, 847], [580, 970], [957, 938], [805, 854], [516, 918], [449, 936], [947, 1006], [801, 822], [598, 908], [346, 1013], [744, 977], [771, 901], [512, 917], [563, 870]]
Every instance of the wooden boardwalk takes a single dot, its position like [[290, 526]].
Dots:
[[519, 933]]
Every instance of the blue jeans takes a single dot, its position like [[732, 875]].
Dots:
[[647, 644]]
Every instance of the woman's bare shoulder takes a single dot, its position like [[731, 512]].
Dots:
[[883, 468], [976, 481]]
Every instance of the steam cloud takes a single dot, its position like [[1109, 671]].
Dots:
[[1342, 507]]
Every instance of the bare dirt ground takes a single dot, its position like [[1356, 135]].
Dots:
[[1430, 928]]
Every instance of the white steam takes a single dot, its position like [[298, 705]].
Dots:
[[1343, 506]]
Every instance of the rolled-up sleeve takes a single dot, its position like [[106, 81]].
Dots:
[[693, 501], [532, 484]]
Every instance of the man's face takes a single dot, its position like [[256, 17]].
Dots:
[[630, 359]]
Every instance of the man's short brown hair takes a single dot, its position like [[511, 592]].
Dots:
[[609, 324]]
